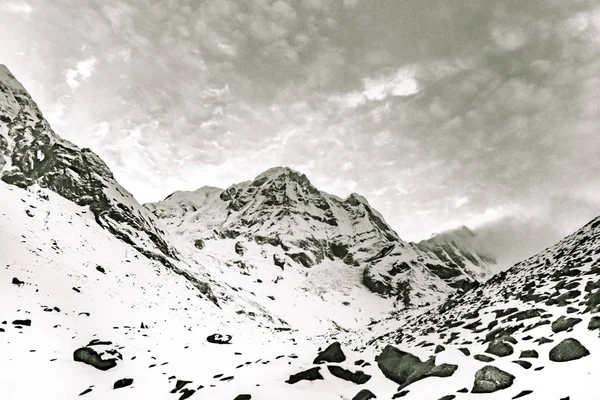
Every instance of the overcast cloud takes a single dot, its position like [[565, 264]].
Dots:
[[440, 112]]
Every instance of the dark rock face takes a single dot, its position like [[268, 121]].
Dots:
[[490, 379], [308, 375], [39, 156], [217, 338], [405, 368], [121, 383], [357, 377], [333, 353], [364, 394], [89, 356], [568, 350]]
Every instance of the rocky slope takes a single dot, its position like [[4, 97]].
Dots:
[[281, 209], [32, 154], [537, 322]]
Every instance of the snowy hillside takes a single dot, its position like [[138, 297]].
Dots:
[[280, 209]]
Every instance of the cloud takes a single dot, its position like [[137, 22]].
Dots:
[[459, 112], [81, 72], [17, 7]]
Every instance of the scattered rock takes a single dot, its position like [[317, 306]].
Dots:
[[465, 351], [594, 323], [405, 368], [357, 377], [16, 281], [121, 383], [500, 348], [217, 338], [308, 375], [199, 244], [333, 353], [186, 394], [448, 397], [529, 354], [364, 394], [240, 248], [483, 358], [523, 394], [279, 261], [568, 350], [100, 269], [89, 356], [522, 363], [439, 348], [243, 397], [22, 322], [86, 391], [490, 379], [564, 323]]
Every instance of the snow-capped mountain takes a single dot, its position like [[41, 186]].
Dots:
[[461, 246], [97, 301], [281, 209]]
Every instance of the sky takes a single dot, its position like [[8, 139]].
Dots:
[[439, 112]]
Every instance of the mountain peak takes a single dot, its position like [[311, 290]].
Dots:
[[275, 172], [9, 79]]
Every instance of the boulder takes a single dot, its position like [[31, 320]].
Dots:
[[240, 248], [218, 338], [405, 368], [500, 348], [564, 323], [279, 260], [568, 350], [89, 356], [357, 377], [490, 379], [364, 394], [121, 383], [333, 353], [311, 374], [199, 244]]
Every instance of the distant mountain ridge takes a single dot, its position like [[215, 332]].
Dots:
[[281, 207]]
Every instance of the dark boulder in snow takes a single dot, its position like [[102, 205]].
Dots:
[[333, 353], [217, 338], [308, 375], [22, 322], [405, 368], [490, 379], [121, 383], [89, 356], [500, 348], [563, 323], [240, 248], [568, 350], [199, 244], [16, 281], [279, 260], [364, 394], [243, 397], [357, 377]]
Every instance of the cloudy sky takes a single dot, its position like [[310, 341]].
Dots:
[[440, 112]]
